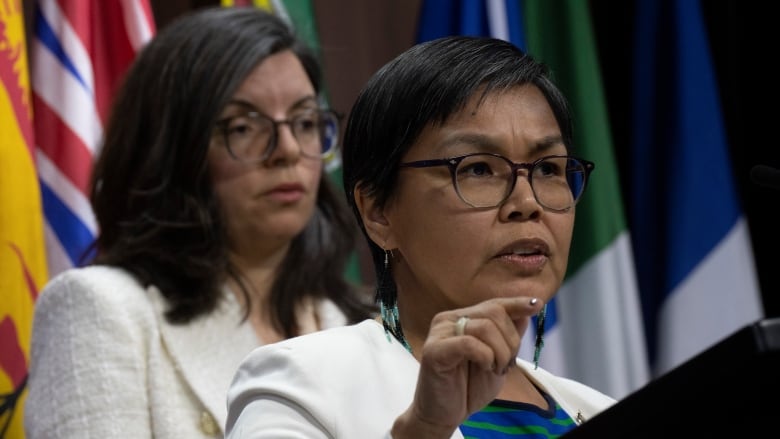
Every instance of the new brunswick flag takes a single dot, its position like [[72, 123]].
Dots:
[[22, 252]]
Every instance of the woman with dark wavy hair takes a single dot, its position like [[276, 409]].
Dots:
[[219, 232]]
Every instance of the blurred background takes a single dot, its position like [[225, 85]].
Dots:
[[676, 101]]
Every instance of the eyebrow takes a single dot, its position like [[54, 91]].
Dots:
[[487, 144], [251, 107], [549, 142]]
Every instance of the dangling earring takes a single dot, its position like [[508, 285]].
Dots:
[[539, 344], [388, 304]]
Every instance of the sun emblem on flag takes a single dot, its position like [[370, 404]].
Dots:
[[13, 68]]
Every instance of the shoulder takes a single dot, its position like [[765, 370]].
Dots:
[[339, 345], [92, 277], [323, 362], [92, 289], [306, 372]]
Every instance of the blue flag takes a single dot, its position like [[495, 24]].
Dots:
[[694, 259]]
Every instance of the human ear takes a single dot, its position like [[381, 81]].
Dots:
[[374, 219]]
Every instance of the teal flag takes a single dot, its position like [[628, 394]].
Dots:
[[695, 260]]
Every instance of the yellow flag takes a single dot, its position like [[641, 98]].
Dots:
[[265, 4], [22, 249]]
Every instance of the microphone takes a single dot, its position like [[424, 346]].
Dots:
[[766, 176]]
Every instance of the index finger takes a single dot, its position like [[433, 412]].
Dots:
[[520, 307]]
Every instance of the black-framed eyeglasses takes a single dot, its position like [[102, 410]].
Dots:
[[485, 180], [252, 137]]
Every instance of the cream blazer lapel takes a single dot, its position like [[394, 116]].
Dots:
[[207, 352], [580, 402]]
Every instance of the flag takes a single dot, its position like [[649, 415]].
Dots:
[[23, 268], [495, 18], [80, 50], [297, 13], [594, 327], [693, 252]]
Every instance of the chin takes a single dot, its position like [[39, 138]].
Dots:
[[281, 230], [540, 290]]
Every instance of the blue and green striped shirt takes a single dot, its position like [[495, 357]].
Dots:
[[511, 420]]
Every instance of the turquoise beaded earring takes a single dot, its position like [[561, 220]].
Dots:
[[539, 343], [388, 305]]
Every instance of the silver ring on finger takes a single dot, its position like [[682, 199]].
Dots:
[[460, 325]]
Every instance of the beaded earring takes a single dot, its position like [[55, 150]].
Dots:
[[539, 344], [388, 305]]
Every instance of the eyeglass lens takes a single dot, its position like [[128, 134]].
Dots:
[[485, 180], [253, 136]]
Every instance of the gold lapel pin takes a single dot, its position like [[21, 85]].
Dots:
[[208, 425]]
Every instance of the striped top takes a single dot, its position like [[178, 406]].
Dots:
[[506, 419]]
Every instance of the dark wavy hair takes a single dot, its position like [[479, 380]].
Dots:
[[423, 87], [151, 188]]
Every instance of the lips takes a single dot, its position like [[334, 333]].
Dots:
[[525, 257], [287, 192], [526, 247]]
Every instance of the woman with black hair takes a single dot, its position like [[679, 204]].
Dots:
[[458, 165]]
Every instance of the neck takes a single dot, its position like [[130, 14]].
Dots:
[[519, 388], [257, 275], [258, 270]]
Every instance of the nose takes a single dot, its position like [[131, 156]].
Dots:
[[521, 202], [522, 184], [285, 148]]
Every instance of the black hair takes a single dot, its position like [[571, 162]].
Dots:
[[424, 86]]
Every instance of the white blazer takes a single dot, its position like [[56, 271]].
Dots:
[[106, 364], [350, 383]]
